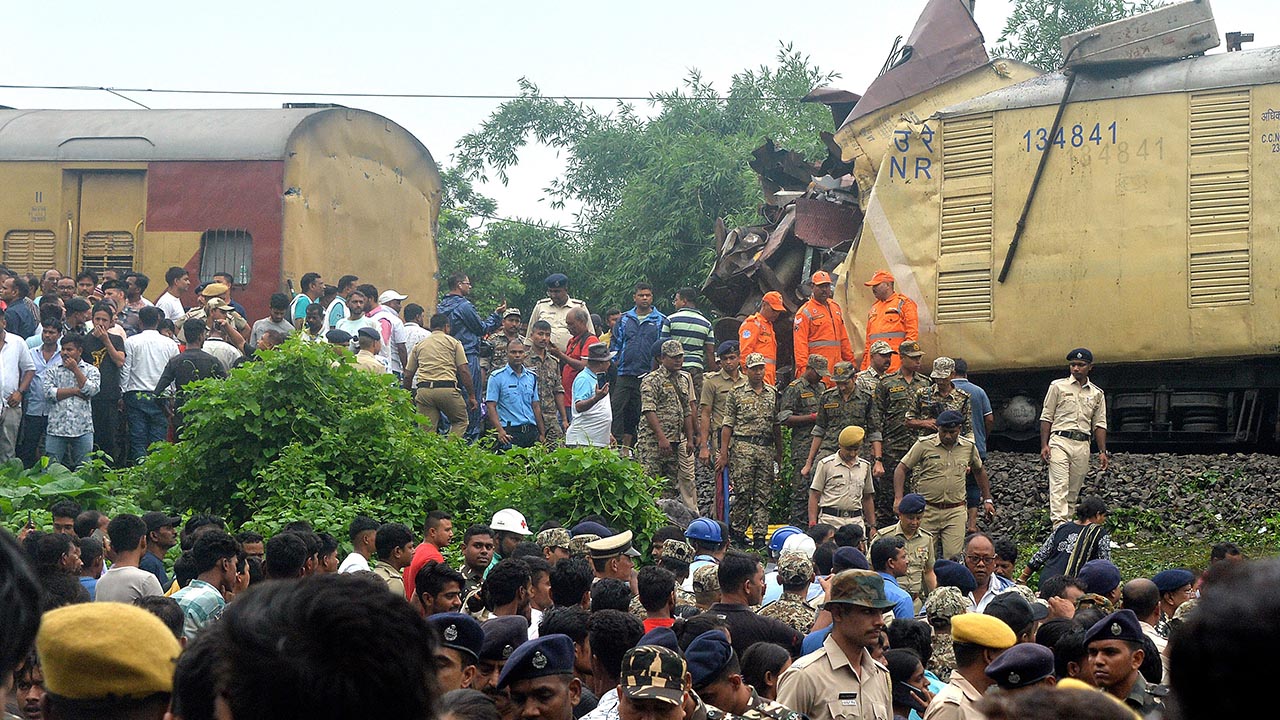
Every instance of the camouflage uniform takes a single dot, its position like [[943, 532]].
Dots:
[[801, 398], [668, 397], [547, 369], [681, 551], [943, 604], [893, 396], [706, 582], [578, 545], [761, 709], [499, 341], [928, 403], [751, 456], [793, 569], [838, 412]]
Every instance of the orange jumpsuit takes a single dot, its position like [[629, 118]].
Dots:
[[820, 330], [756, 335], [892, 320]]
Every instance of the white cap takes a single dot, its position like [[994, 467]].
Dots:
[[800, 543], [509, 520], [389, 295]]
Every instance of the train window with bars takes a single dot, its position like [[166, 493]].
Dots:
[[103, 250], [226, 251], [29, 251]]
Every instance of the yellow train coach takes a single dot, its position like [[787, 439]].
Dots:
[[263, 194], [1151, 238]]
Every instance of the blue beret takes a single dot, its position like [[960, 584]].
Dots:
[[338, 337], [726, 347], [1080, 354], [1170, 580], [1099, 576], [707, 656], [912, 503], [705, 530], [459, 631], [586, 527], [950, 418], [549, 655], [502, 635], [951, 573], [369, 332], [662, 637], [1021, 665], [847, 558], [1119, 625], [557, 280]]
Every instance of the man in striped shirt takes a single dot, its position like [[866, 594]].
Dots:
[[692, 329]]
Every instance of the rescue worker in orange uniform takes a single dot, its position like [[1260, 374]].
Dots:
[[820, 329], [756, 335], [892, 318]]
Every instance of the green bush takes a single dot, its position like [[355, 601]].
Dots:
[[302, 434]]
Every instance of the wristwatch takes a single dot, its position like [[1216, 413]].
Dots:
[[988, 500], [878, 458]]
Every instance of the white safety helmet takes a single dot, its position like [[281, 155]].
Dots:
[[509, 520], [800, 543]]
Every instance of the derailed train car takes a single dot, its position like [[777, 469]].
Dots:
[[264, 194], [1149, 213]]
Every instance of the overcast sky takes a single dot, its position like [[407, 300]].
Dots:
[[567, 47]]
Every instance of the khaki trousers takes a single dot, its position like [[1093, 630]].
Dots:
[[947, 526], [685, 473], [434, 402], [1068, 464], [839, 522]]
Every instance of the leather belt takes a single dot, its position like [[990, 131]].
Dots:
[[432, 384], [947, 506], [755, 439], [841, 513], [1071, 434]]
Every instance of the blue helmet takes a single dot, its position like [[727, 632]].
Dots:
[[704, 530], [780, 537]]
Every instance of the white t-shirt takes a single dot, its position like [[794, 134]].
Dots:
[[125, 584], [391, 327], [15, 359], [170, 305], [355, 562]]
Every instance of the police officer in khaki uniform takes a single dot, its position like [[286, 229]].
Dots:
[[714, 397], [938, 463], [1074, 409], [978, 639], [666, 423], [841, 680], [555, 308], [798, 410], [751, 432], [842, 491], [436, 368], [921, 547], [890, 437]]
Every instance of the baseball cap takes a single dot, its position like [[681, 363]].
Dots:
[[511, 312], [859, 587], [879, 277], [773, 299], [156, 520], [672, 348], [389, 295], [843, 371], [752, 360], [910, 348], [819, 364], [943, 368], [822, 277], [881, 347]]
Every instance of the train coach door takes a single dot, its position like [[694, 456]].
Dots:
[[112, 209]]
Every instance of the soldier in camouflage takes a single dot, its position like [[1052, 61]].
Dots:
[[578, 545], [798, 410], [881, 354], [942, 605], [890, 437], [550, 388], [795, 572], [751, 432], [666, 427], [706, 586], [676, 557], [717, 678], [942, 395], [508, 333], [848, 403]]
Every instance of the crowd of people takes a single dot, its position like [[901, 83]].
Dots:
[[565, 623]]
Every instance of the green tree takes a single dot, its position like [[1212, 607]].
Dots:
[[1034, 30], [650, 189]]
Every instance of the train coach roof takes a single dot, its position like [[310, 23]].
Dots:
[[1251, 67], [149, 135]]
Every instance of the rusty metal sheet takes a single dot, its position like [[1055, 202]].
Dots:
[[839, 101], [824, 224], [781, 170], [945, 44]]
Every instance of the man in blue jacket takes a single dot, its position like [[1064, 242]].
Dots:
[[465, 325], [633, 340]]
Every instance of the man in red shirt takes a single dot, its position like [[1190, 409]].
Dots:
[[574, 357], [436, 534]]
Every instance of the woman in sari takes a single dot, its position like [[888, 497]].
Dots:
[[1072, 544]]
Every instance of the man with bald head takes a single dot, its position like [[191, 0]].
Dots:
[[1142, 596]]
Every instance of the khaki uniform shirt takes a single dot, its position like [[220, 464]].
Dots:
[[842, 485], [1071, 406], [938, 471], [659, 394], [751, 413], [824, 685], [921, 554], [436, 359], [394, 578], [893, 395], [715, 395], [557, 316], [955, 701], [368, 362]]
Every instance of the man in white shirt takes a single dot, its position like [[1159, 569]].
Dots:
[[170, 302], [414, 333], [389, 325], [145, 356], [125, 581], [17, 369], [363, 533]]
